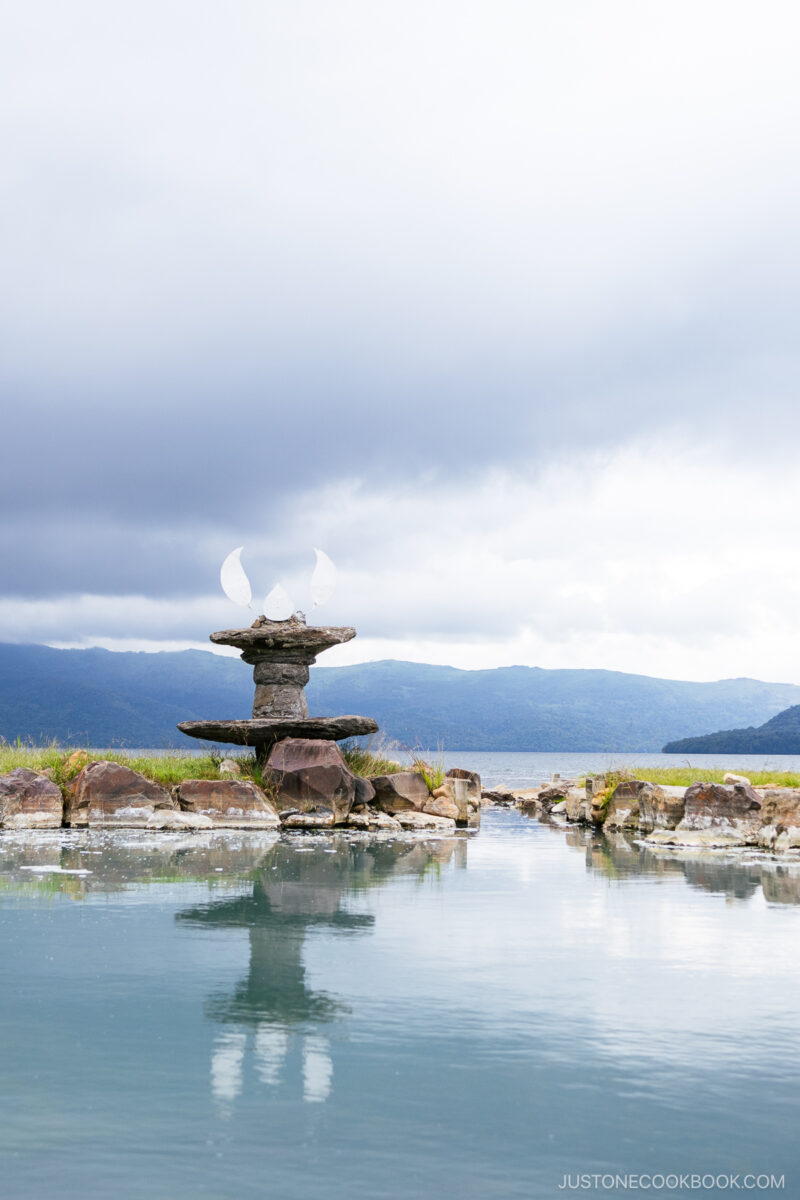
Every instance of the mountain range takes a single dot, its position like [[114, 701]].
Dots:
[[110, 699], [779, 735]]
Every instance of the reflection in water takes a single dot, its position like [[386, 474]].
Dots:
[[297, 887], [317, 1069], [738, 875], [567, 1004]]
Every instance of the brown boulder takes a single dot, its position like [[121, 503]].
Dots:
[[312, 776], [714, 808], [638, 804], [578, 806], [552, 795], [312, 818], [30, 801], [660, 807], [501, 794], [109, 795], [442, 806], [405, 791], [228, 803], [371, 819], [365, 792], [781, 807], [410, 819], [780, 817], [461, 788]]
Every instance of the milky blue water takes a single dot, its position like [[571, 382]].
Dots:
[[234, 1016]]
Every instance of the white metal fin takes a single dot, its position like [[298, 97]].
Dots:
[[235, 583], [278, 605], [323, 581]]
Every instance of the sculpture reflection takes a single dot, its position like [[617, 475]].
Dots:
[[299, 886]]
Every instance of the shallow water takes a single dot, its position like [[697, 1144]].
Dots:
[[243, 1016]]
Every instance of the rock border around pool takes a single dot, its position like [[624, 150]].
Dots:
[[307, 786], [710, 816]]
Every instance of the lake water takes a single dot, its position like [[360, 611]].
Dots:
[[523, 769], [247, 1016]]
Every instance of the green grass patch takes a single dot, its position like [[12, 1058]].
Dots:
[[63, 763], [370, 760], [685, 776], [432, 773]]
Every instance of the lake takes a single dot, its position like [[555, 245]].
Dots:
[[246, 1015]]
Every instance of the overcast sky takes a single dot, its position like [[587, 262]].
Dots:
[[495, 302]]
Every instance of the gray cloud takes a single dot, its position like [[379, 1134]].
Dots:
[[250, 257]]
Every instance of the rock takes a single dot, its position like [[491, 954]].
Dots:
[[312, 777], [473, 781], [789, 839], [551, 795], [530, 807], [780, 807], [263, 733], [167, 819], [365, 791], [319, 818], [622, 810], [371, 819], [597, 806], [701, 839], [228, 803], [441, 806], [577, 806], [108, 795], [729, 777], [780, 816], [499, 795], [467, 798], [410, 819], [77, 760], [461, 797], [660, 807], [229, 766], [284, 641], [29, 800], [405, 791], [715, 808], [559, 809], [770, 837]]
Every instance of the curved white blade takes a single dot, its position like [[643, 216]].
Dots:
[[235, 583], [323, 581], [278, 605]]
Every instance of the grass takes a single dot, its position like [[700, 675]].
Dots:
[[432, 773], [63, 763], [613, 780], [685, 776], [370, 760]]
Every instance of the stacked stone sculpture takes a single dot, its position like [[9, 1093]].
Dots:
[[280, 653]]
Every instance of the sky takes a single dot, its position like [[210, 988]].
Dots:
[[496, 303]]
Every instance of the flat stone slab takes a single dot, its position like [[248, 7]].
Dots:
[[266, 731], [273, 638]]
